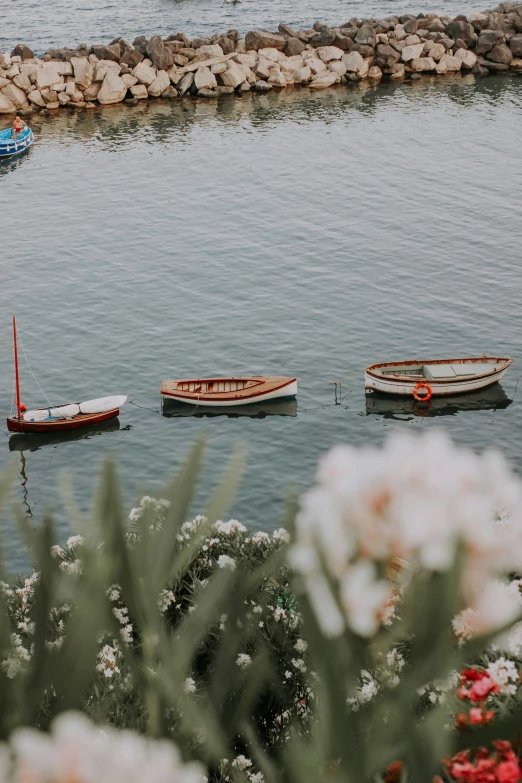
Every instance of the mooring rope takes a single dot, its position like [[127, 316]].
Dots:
[[32, 373]]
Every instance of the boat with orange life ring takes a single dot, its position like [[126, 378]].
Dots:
[[441, 377]]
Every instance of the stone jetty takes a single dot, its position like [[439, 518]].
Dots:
[[398, 47]]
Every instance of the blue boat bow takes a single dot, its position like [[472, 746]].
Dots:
[[10, 146]]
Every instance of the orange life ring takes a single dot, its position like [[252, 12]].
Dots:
[[424, 397]]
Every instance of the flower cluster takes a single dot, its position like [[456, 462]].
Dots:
[[500, 767], [412, 501], [78, 750], [476, 687]]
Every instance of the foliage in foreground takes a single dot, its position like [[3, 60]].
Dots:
[[335, 655]]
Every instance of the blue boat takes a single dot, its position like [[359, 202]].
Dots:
[[10, 146]]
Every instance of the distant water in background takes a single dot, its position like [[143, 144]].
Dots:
[[53, 23], [299, 233]]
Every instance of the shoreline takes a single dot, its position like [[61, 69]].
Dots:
[[404, 47]]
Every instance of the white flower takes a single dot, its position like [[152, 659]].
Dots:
[[166, 598], [230, 528], [243, 660], [376, 506], [299, 664], [224, 561], [241, 762], [13, 664], [288, 675], [108, 657], [505, 674], [74, 541], [189, 685], [77, 750], [71, 568], [260, 537], [301, 646], [281, 535], [57, 551]]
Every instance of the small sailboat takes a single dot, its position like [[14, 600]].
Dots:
[[226, 392], [10, 147], [61, 417], [435, 377]]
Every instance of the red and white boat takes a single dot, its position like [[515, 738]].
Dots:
[[61, 417], [435, 377], [225, 392]]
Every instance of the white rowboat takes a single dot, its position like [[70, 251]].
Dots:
[[435, 377], [226, 392]]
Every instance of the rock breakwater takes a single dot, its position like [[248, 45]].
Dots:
[[397, 47]]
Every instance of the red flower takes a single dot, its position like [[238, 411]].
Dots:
[[468, 675], [508, 771], [393, 772], [481, 689], [463, 692], [464, 771], [461, 721]]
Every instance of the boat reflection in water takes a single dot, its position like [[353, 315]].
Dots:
[[491, 398], [28, 441], [254, 410]]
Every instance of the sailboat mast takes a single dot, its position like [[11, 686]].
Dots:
[[16, 370]]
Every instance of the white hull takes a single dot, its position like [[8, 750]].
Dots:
[[290, 390], [404, 387]]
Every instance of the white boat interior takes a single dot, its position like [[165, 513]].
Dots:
[[438, 372], [216, 385]]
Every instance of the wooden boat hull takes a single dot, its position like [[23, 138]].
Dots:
[[61, 425], [212, 392], [375, 378]]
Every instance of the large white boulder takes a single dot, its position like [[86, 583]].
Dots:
[[47, 75], [467, 58], [234, 75], [354, 62], [139, 91], [113, 89], [17, 96], [103, 66], [276, 78], [144, 72], [412, 52], [211, 50], [205, 79], [323, 80], [36, 97], [448, 63], [328, 53], [160, 83], [6, 106], [83, 71], [423, 64]]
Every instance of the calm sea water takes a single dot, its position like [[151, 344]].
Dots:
[[299, 233], [54, 23]]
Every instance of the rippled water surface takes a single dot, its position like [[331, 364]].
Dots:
[[299, 233], [54, 23]]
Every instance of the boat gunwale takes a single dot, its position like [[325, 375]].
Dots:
[[506, 362]]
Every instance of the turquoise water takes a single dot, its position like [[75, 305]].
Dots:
[[299, 233]]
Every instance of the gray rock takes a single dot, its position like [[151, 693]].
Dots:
[[170, 92], [516, 46], [111, 52], [366, 35], [487, 40], [204, 92], [323, 38], [386, 56], [364, 49], [463, 30], [285, 30], [131, 57], [262, 86], [23, 51], [500, 54], [227, 44], [262, 39], [437, 26], [410, 26], [140, 44], [222, 90], [294, 46], [343, 42], [160, 54]]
